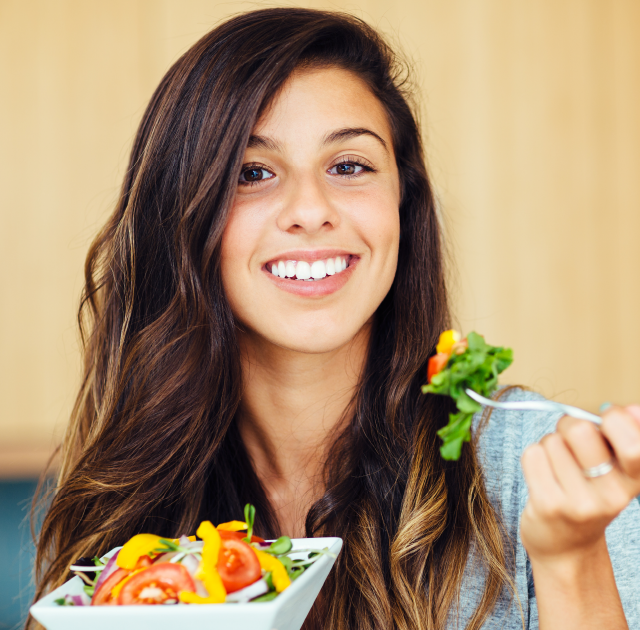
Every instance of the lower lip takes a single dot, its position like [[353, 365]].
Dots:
[[317, 288]]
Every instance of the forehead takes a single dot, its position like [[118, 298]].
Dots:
[[317, 100]]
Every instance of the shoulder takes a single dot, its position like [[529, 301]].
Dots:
[[500, 438]]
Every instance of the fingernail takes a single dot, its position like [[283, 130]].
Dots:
[[604, 406]]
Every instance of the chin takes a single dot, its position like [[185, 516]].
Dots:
[[306, 337], [315, 340]]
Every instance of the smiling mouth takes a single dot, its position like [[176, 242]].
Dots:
[[309, 271]]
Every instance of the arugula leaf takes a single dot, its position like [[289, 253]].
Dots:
[[476, 368]]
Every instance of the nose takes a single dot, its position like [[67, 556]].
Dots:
[[308, 209]]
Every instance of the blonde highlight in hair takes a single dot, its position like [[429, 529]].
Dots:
[[153, 445]]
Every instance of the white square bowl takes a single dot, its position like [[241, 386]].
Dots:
[[285, 612]]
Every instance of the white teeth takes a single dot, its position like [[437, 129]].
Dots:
[[331, 267], [290, 268], [303, 270], [318, 270]]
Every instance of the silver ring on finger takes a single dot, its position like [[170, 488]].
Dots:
[[598, 471]]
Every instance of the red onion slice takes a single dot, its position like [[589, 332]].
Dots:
[[165, 557], [264, 545], [110, 568], [80, 600], [191, 564], [194, 545]]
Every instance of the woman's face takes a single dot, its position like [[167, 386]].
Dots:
[[311, 246]]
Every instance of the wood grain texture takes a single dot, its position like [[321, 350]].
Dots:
[[533, 137]]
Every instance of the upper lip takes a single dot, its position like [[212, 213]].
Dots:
[[309, 255]]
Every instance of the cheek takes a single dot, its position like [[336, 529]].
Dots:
[[239, 240], [377, 219], [388, 242]]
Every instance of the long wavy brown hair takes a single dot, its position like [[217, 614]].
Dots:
[[152, 444]]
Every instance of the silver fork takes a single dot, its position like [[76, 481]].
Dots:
[[536, 405]]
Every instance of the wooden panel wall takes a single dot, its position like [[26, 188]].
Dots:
[[532, 126]]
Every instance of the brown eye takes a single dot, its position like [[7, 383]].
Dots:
[[254, 174], [350, 169], [346, 169]]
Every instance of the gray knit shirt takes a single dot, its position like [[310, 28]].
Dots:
[[500, 445]]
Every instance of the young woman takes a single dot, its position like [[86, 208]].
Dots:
[[258, 316]]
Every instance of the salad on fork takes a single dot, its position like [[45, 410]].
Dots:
[[460, 365]]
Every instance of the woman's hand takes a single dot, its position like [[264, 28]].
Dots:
[[564, 521], [568, 512]]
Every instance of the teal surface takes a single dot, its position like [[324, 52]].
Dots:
[[16, 552]]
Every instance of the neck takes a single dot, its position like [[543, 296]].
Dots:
[[293, 407]]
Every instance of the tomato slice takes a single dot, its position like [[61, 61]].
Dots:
[[102, 597], [226, 535], [157, 584], [436, 364], [238, 565]]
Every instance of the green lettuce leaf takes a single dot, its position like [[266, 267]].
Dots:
[[476, 368]]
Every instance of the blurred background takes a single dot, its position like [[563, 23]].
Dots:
[[531, 116]]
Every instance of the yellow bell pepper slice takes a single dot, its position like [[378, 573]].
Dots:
[[279, 574], [447, 340], [207, 571], [233, 526], [139, 545]]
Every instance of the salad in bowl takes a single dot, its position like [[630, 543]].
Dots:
[[222, 574]]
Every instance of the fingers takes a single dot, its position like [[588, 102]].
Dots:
[[586, 442], [590, 447], [544, 488], [621, 426], [563, 462], [558, 462]]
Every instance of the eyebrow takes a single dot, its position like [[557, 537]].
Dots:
[[352, 132], [262, 142]]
